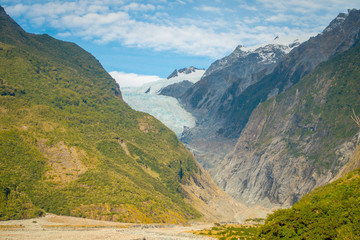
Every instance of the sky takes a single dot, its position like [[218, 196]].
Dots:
[[149, 39]]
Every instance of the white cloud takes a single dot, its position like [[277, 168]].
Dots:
[[139, 7], [64, 34], [252, 20], [181, 2], [97, 23], [248, 7], [281, 17], [149, 26], [307, 6], [132, 79], [208, 9]]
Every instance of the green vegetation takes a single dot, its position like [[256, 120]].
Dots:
[[329, 212], [230, 232], [318, 110], [327, 107], [255, 220], [69, 145]]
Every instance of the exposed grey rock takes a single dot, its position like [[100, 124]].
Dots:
[[232, 87], [298, 140], [267, 173], [270, 164], [297, 64], [176, 89], [186, 70], [221, 83]]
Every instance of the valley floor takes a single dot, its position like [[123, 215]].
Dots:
[[62, 227]]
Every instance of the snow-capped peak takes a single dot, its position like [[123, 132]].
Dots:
[[184, 71], [287, 43], [268, 53], [193, 76], [336, 22]]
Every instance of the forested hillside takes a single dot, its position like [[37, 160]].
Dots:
[[69, 145]]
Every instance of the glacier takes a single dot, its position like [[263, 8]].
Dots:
[[167, 109]]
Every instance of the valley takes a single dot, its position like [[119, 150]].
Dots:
[[265, 116], [267, 136], [70, 145]]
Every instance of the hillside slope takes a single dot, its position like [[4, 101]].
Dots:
[[340, 35], [69, 145], [329, 212], [298, 140]]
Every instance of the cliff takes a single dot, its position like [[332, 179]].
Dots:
[[298, 140]]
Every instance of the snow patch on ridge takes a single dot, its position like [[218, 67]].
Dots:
[[287, 43], [265, 52], [156, 86]]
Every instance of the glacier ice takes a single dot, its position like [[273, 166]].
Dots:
[[167, 109]]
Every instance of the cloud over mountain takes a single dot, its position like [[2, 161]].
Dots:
[[212, 29], [132, 79]]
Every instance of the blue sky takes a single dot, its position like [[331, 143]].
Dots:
[[155, 37]]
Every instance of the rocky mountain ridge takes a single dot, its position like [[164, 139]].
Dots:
[[266, 52], [176, 90], [303, 137], [223, 100], [186, 70], [216, 91]]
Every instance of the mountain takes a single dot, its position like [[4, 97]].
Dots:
[[182, 80], [223, 100], [340, 35], [176, 90], [189, 74], [184, 71], [70, 145], [264, 54], [304, 137], [222, 82]]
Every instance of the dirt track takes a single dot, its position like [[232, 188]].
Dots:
[[61, 227]]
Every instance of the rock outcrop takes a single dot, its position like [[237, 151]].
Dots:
[[176, 90], [341, 34], [215, 92], [223, 100], [298, 140], [186, 70]]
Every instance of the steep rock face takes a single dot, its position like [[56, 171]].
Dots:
[[186, 70], [176, 89], [223, 105], [340, 35], [224, 80], [242, 66], [299, 139]]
